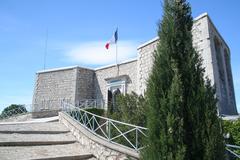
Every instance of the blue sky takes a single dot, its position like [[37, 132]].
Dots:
[[78, 30]]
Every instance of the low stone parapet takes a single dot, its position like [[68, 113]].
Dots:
[[100, 148], [45, 113]]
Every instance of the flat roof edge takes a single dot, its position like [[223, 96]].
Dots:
[[111, 65], [57, 69], [95, 69], [201, 16], [157, 38], [61, 69], [148, 42]]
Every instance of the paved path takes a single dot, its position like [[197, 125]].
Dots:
[[52, 141], [38, 120], [69, 151], [33, 128]]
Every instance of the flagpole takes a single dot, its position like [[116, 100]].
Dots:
[[117, 54], [117, 60], [45, 50]]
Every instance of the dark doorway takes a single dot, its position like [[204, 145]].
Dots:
[[114, 100], [109, 98], [112, 96]]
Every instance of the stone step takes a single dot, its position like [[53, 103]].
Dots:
[[17, 139], [34, 132], [72, 151], [77, 157], [28, 128]]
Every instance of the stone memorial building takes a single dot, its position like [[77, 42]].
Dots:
[[78, 83]]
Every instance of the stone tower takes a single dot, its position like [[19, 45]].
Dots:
[[216, 61]]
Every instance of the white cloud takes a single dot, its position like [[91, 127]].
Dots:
[[94, 53]]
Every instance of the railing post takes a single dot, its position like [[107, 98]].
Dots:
[[136, 138], [109, 130], [85, 118], [93, 122], [102, 103], [86, 104]]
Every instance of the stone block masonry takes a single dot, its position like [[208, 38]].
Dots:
[[84, 84], [52, 86]]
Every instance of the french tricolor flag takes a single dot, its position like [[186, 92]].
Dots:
[[113, 40]]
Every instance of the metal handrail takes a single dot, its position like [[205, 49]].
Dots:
[[228, 146], [88, 119], [89, 103], [105, 127], [94, 123]]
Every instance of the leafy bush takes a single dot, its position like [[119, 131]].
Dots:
[[130, 109], [13, 109], [97, 111], [233, 129]]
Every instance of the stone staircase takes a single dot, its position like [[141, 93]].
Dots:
[[40, 141]]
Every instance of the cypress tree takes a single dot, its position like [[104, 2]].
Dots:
[[181, 118]]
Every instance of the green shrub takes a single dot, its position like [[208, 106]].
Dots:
[[97, 111], [130, 109], [233, 129], [13, 109]]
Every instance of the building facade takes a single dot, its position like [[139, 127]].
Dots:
[[78, 83]]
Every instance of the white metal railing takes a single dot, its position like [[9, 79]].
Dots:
[[230, 149], [90, 103], [111, 130], [117, 132]]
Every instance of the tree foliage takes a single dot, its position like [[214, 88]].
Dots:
[[12, 110], [233, 129], [130, 109], [182, 116]]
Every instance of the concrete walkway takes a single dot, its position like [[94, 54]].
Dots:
[[38, 120], [39, 140], [52, 127]]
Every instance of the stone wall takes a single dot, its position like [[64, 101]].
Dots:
[[103, 74], [201, 42], [100, 148], [215, 53], [85, 84], [51, 86], [222, 71], [145, 63]]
